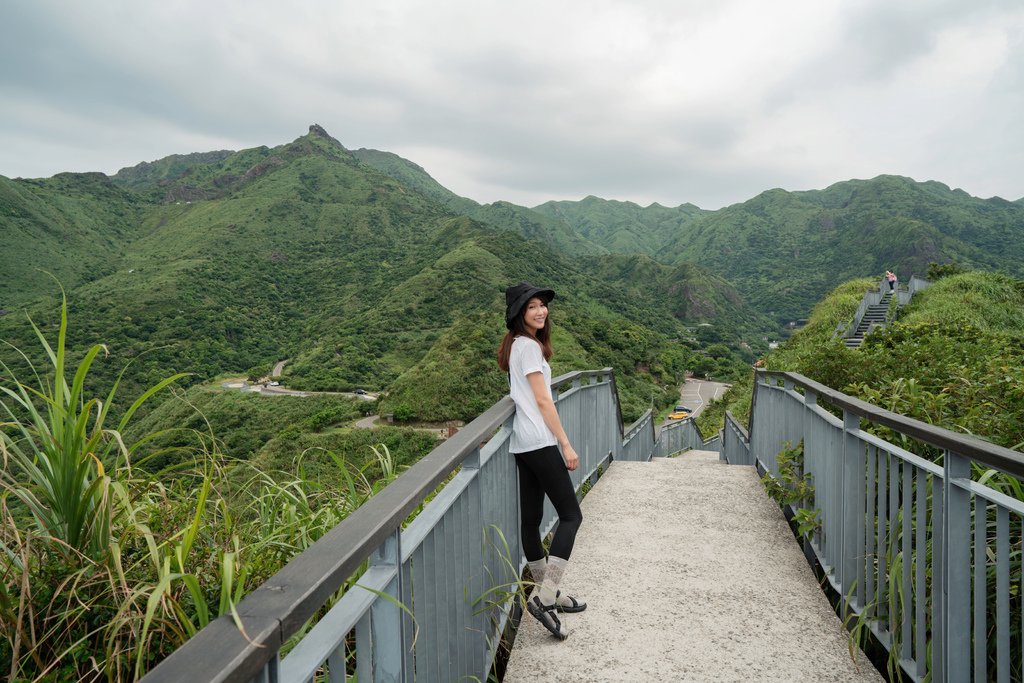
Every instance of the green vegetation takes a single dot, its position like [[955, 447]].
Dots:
[[793, 487], [245, 422], [107, 569], [532, 224], [366, 273], [785, 250], [223, 263], [624, 227], [951, 359], [59, 447], [369, 274], [72, 225]]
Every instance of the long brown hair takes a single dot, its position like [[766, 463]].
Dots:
[[543, 337]]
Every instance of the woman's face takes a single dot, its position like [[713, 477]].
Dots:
[[534, 314]]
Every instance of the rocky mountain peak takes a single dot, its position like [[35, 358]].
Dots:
[[317, 129]]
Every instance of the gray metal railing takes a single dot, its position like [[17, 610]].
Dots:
[[873, 298], [442, 582], [681, 435], [916, 284], [735, 442], [914, 547], [638, 439]]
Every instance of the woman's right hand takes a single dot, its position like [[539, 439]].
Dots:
[[572, 461]]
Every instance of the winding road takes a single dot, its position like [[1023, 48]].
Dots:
[[697, 393]]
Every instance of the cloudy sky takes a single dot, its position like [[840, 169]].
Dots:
[[673, 101]]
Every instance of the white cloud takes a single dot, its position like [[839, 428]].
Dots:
[[658, 101]]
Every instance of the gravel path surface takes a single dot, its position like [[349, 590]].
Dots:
[[691, 574]]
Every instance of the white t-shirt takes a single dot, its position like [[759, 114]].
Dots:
[[529, 432]]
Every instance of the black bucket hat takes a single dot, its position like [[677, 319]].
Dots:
[[516, 297]]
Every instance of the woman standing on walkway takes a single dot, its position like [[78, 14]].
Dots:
[[891, 278], [537, 435]]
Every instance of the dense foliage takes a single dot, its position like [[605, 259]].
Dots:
[[782, 250], [786, 250], [952, 359], [106, 568], [624, 227], [226, 262], [365, 273]]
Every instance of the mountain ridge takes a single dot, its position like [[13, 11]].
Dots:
[[334, 258], [323, 259]]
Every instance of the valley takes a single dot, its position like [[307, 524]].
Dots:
[[365, 273], [367, 276]]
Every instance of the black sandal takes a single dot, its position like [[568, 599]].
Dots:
[[576, 606], [545, 614]]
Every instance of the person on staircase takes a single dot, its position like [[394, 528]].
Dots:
[[537, 435], [891, 277]]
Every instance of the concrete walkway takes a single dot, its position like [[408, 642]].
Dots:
[[691, 574]]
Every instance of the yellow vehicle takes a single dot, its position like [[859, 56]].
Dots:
[[679, 413]]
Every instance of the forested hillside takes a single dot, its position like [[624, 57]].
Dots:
[[532, 224], [73, 225], [785, 250], [366, 273], [226, 262], [952, 358], [624, 227], [781, 250]]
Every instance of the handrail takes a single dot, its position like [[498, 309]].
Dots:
[[683, 434], [873, 298], [737, 425], [984, 452], [735, 448], [900, 538], [279, 607], [638, 423]]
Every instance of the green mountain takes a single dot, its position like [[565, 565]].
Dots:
[[74, 226], [226, 262], [687, 292], [624, 227], [784, 250], [414, 177], [781, 250], [534, 225], [169, 171]]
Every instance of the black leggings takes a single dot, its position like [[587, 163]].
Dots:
[[543, 471]]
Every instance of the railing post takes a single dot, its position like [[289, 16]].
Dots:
[[758, 378], [810, 443], [386, 632], [269, 673], [848, 491], [956, 574], [854, 492]]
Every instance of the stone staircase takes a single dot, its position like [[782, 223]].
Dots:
[[875, 315]]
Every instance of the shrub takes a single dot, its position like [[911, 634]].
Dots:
[[106, 569]]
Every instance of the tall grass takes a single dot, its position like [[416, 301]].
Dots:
[[886, 612], [106, 569], [56, 450]]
